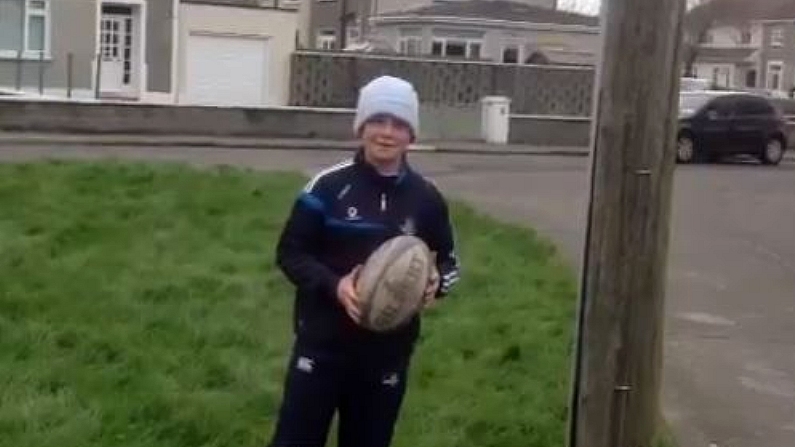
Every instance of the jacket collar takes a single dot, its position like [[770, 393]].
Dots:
[[373, 175]]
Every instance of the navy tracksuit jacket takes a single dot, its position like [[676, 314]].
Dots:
[[342, 216]]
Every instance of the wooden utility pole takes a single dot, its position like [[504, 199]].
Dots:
[[617, 368]]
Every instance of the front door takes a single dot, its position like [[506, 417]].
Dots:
[[116, 50]]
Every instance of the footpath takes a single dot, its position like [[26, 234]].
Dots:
[[49, 139], [149, 140]]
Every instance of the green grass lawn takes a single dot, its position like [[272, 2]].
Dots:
[[140, 306]]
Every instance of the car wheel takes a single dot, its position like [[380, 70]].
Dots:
[[685, 149], [773, 152]]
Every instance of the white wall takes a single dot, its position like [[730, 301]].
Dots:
[[725, 36], [725, 77], [304, 23], [757, 32], [279, 27], [730, 36]]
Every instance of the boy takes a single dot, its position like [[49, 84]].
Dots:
[[343, 215]]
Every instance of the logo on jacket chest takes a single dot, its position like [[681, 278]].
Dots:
[[352, 214]]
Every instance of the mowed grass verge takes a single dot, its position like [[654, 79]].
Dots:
[[140, 306]]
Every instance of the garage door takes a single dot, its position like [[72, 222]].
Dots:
[[226, 70]]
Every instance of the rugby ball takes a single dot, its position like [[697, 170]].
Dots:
[[392, 281]]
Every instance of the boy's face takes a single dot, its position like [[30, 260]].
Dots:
[[385, 138]]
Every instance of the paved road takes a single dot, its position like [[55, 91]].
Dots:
[[730, 340]]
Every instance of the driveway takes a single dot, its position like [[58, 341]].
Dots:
[[730, 339]]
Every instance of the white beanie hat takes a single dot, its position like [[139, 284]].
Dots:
[[388, 95]]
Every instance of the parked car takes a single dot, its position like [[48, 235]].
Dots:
[[717, 124]]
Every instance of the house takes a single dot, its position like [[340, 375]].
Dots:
[[325, 19], [728, 67], [155, 51], [748, 45], [777, 54], [498, 31], [88, 48]]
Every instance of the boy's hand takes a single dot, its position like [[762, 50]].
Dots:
[[346, 294], [429, 299]]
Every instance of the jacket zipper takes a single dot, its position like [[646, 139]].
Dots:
[[383, 202]]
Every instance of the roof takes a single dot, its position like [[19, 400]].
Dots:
[[718, 54], [785, 10], [499, 10]]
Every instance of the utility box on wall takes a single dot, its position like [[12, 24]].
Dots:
[[495, 119]]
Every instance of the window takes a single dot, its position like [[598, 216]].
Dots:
[[456, 47], [721, 107], [326, 39], [777, 37], [474, 50], [745, 36], [36, 25], [353, 34], [290, 4], [12, 15], [410, 41], [510, 54], [410, 46], [24, 26], [774, 73], [754, 107]]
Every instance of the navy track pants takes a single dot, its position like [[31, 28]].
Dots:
[[366, 391]]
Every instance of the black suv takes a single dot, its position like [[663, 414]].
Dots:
[[716, 124]]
